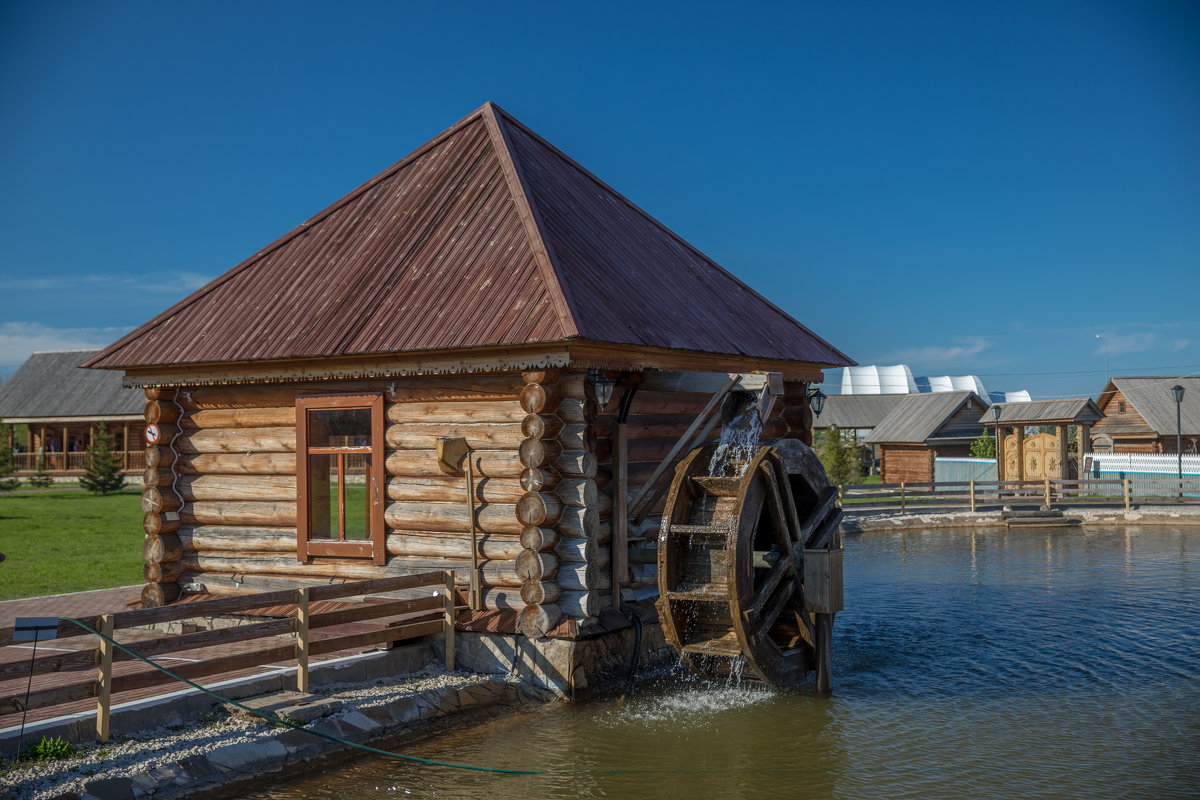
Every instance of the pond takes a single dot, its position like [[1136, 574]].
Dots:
[[1032, 663]]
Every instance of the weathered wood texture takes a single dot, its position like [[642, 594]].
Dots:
[[901, 463]]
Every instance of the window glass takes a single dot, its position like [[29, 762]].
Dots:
[[358, 502], [323, 496], [339, 427]]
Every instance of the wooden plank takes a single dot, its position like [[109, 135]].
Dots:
[[377, 586], [368, 611]]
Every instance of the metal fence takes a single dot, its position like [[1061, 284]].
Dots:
[[957, 470], [1146, 471]]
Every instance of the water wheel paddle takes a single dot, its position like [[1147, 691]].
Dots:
[[731, 556]]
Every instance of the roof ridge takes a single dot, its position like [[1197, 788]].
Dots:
[[531, 219], [304, 226], [656, 223]]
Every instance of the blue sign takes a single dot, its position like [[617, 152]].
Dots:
[[35, 629]]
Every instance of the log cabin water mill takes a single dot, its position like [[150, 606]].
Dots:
[[485, 359]]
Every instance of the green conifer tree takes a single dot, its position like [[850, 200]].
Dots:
[[7, 467], [103, 474], [984, 446], [40, 479], [840, 458]]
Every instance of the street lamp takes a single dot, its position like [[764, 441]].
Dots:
[[1177, 390], [999, 465], [816, 399], [602, 387]]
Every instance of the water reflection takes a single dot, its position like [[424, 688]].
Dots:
[[1045, 663]]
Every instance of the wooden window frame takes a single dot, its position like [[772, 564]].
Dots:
[[375, 546]]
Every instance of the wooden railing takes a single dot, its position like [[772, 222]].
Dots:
[[133, 461], [905, 497], [419, 617]]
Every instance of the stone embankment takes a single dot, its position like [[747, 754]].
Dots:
[[215, 753], [1150, 515]]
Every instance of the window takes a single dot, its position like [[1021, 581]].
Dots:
[[1120, 406], [339, 477]]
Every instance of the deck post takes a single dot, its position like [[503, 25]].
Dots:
[[839, 495], [302, 620], [903, 505], [104, 680], [448, 619], [1128, 499], [972, 491], [1046, 492]]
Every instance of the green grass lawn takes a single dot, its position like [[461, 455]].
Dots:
[[57, 542]]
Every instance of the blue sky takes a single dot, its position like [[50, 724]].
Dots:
[[964, 187]]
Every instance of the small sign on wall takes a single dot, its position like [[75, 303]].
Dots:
[[152, 433]]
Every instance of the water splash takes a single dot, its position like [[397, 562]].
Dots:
[[739, 438]]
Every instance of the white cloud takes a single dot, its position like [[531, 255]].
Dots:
[[935, 356], [19, 339], [168, 283], [1120, 344], [1178, 345]]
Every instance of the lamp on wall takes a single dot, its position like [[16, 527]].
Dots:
[[816, 399], [1177, 390], [602, 387]]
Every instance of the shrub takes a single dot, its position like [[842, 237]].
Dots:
[[50, 750]]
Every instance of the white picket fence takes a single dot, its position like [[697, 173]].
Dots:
[[1144, 471]]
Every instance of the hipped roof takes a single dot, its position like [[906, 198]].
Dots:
[[918, 417], [485, 236], [51, 386]]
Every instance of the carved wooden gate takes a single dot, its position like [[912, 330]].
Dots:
[[1041, 456]]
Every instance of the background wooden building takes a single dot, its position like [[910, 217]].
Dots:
[[482, 287], [51, 408], [858, 414], [922, 427], [1140, 415], [1048, 452]]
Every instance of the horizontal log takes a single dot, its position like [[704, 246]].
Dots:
[[578, 522], [167, 547], [236, 539], [159, 524], [536, 479], [279, 488], [539, 538], [237, 440], [580, 577], [451, 517], [159, 393], [576, 550], [156, 595], [537, 620], [270, 417], [651, 426], [578, 492], [581, 604], [237, 514], [539, 452], [162, 412], [571, 409], [541, 426], [643, 575], [539, 509], [238, 464], [540, 591], [236, 584], [453, 488], [576, 464], [152, 476], [573, 437], [410, 544], [536, 566], [159, 457], [482, 411], [424, 463], [161, 572], [538, 398], [159, 499], [479, 436], [495, 573], [547, 375]]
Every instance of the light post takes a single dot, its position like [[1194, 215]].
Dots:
[[1177, 390], [1105, 343], [999, 463]]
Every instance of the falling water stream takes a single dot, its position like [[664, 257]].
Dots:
[[1032, 663]]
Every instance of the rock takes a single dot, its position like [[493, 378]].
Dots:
[[242, 754], [109, 789]]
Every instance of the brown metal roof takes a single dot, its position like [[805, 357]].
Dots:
[[486, 235]]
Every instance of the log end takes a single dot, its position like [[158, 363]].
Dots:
[[156, 595], [537, 620]]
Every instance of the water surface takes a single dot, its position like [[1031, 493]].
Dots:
[[1047, 663]]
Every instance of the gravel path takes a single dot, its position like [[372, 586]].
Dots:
[[159, 752]]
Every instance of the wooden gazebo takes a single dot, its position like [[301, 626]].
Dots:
[[487, 288]]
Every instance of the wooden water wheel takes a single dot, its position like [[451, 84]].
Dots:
[[749, 567]]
